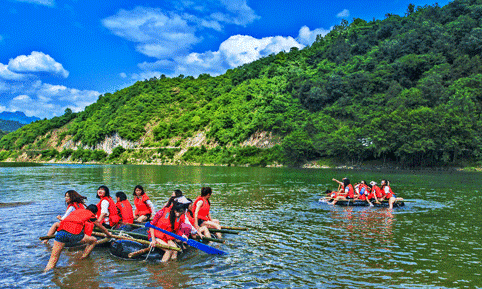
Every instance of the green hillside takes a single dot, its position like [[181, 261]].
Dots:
[[406, 89]]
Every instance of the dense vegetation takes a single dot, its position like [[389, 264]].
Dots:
[[404, 89], [9, 125]]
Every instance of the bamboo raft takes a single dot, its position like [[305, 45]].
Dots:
[[361, 203], [132, 242]]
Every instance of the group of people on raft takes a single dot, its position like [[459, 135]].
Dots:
[[364, 192], [179, 215]]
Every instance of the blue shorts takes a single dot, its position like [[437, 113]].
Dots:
[[68, 238]]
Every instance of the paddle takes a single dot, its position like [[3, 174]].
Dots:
[[192, 243]]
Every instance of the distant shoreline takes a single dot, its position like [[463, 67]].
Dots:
[[310, 165]]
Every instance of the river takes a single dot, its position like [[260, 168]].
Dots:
[[293, 241]]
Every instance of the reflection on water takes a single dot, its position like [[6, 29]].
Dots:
[[293, 241]]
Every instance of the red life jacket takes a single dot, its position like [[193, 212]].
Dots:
[[377, 191], [190, 217], [203, 213], [76, 206], [76, 221], [114, 217], [142, 208], [125, 210], [351, 192], [161, 220], [390, 193]]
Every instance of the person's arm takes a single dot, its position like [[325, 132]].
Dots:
[[102, 228], [335, 180], [69, 210], [104, 210], [196, 212], [151, 205], [193, 230]]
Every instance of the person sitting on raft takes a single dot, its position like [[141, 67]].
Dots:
[[76, 227], [365, 193], [107, 213], [125, 208], [203, 230], [388, 194], [376, 192], [74, 201], [202, 215], [346, 192], [169, 219], [144, 207]]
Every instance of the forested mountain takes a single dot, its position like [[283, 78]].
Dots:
[[406, 89], [17, 116], [9, 125]]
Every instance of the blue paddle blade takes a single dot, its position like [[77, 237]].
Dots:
[[203, 247]]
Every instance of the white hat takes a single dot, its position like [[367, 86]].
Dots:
[[373, 183], [182, 200]]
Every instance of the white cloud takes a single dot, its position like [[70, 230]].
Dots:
[[343, 14], [233, 52], [307, 36], [37, 62], [50, 3], [123, 74], [6, 74], [173, 31], [44, 100], [157, 34]]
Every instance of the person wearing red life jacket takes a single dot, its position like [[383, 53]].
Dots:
[[76, 227], [203, 230], [202, 215], [376, 191], [107, 213], [347, 192], [144, 207], [125, 208], [388, 193], [169, 219], [74, 201]]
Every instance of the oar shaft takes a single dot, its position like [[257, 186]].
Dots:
[[164, 247], [135, 235]]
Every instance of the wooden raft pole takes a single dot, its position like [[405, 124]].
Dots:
[[234, 228], [134, 235], [164, 247], [140, 252], [223, 231]]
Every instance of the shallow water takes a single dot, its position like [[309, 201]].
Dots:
[[294, 241]]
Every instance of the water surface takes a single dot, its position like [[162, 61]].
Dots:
[[293, 241]]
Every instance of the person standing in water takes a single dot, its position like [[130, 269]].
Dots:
[[76, 228]]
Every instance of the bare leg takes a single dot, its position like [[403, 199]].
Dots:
[[213, 224], [54, 257], [142, 218], [91, 244], [174, 253], [52, 231]]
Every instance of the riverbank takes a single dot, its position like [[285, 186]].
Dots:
[[324, 164]]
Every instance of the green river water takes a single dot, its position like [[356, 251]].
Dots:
[[293, 241]]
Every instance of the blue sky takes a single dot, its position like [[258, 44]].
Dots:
[[58, 54]]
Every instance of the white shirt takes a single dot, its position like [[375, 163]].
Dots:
[[104, 208]]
